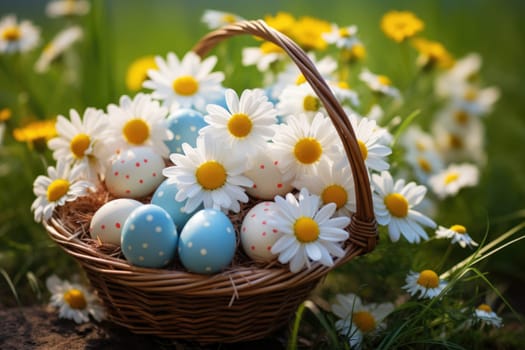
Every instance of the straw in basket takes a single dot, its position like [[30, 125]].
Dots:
[[244, 302]]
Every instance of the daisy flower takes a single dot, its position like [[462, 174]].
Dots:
[[462, 74], [458, 234], [342, 37], [190, 82], [63, 8], [369, 138], [247, 123], [379, 83], [60, 43], [487, 316], [401, 25], [80, 141], [74, 301], [393, 207], [426, 282], [216, 19], [299, 99], [17, 37], [457, 176], [476, 101], [333, 183], [60, 186], [209, 175], [354, 315], [300, 145], [140, 121], [263, 56], [309, 232]]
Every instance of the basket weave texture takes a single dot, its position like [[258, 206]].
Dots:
[[247, 301]]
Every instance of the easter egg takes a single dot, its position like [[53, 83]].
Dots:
[[149, 237], [135, 173], [106, 224], [257, 232], [185, 124], [207, 242], [267, 178], [164, 197]]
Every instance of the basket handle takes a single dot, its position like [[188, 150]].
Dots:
[[363, 225]]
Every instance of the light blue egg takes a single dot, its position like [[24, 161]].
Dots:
[[185, 124], [149, 237], [164, 197], [207, 242], [219, 100]]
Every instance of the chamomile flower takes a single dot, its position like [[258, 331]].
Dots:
[[309, 232], [190, 82], [62, 184], [80, 141], [342, 37], [454, 178], [369, 138], [17, 36], [354, 314], [333, 183], [300, 145], [208, 174], [63, 8], [75, 302], [379, 83], [457, 234], [394, 207], [247, 123], [140, 121], [299, 99], [263, 56], [401, 25], [216, 19], [476, 101], [60, 43], [426, 282], [463, 73], [486, 316]]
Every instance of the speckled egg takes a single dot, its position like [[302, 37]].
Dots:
[[258, 233], [135, 173], [149, 237], [185, 124], [207, 242], [164, 197], [267, 178], [106, 224]]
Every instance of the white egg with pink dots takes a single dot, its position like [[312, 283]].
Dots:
[[135, 173], [267, 178], [107, 222], [258, 233]]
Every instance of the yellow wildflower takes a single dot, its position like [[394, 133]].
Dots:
[[282, 21], [432, 54], [138, 72], [36, 133], [400, 25], [308, 33], [5, 114]]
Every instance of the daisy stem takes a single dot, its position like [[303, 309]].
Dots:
[[445, 257]]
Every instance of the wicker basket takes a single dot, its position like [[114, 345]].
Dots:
[[245, 302]]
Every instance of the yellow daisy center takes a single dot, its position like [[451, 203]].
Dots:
[[57, 189], [211, 175], [384, 80], [79, 144], [136, 131], [344, 33], [424, 164], [459, 229], [335, 194], [228, 18], [300, 79], [484, 307], [308, 150], [428, 279], [311, 103], [451, 177], [185, 85], [364, 321], [343, 85], [240, 125], [363, 149], [455, 141], [471, 95], [11, 34], [358, 51], [397, 205], [75, 299], [461, 117], [306, 229]]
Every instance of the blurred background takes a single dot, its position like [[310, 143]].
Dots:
[[124, 31]]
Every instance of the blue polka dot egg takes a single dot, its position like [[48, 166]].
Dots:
[[185, 124], [149, 237], [207, 242]]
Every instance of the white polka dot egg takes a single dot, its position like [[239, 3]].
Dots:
[[135, 173], [258, 233], [207, 242], [106, 224], [149, 237]]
